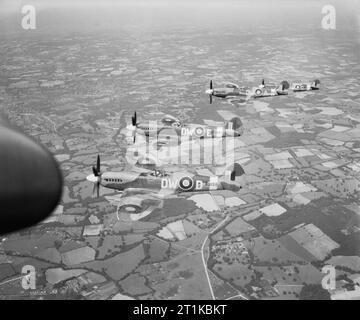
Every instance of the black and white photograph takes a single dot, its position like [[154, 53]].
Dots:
[[189, 150]]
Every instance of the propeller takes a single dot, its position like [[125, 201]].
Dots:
[[317, 82], [263, 82], [211, 90], [96, 189], [134, 123], [97, 173], [96, 170], [134, 119]]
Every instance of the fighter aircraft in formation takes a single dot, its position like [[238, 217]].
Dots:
[[138, 185], [31, 183], [162, 183], [144, 181], [171, 125], [231, 90], [234, 91]]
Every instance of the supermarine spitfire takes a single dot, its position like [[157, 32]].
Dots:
[[231, 90], [161, 183], [172, 125], [234, 91]]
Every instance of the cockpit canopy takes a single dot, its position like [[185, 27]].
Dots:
[[170, 120], [154, 173], [158, 173], [232, 85], [270, 86]]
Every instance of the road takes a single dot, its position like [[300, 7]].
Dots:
[[205, 262], [203, 257]]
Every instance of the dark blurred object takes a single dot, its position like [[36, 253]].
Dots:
[[30, 181]]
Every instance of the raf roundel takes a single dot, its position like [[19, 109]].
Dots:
[[199, 131], [186, 183]]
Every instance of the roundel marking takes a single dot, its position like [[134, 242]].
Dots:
[[297, 87], [258, 92], [199, 131], [186, 183], [303, 86]]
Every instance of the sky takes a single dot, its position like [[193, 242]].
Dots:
[[80, 15]]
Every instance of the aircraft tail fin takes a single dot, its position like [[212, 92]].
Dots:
[[237, 171], [284, 85], [234, 124]]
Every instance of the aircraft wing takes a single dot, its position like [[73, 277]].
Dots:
[[117, 199]]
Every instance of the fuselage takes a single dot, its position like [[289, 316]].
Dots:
[[192, 130], [268, 91], [304, 86], [229, 92], [256, 92], [157, 181]]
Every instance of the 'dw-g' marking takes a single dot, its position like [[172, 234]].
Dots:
[[184, 184]]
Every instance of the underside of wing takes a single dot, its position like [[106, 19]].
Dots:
[[117, 199]]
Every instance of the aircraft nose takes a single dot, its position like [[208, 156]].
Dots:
[[92, 178], [30, 183], [209, 91]]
